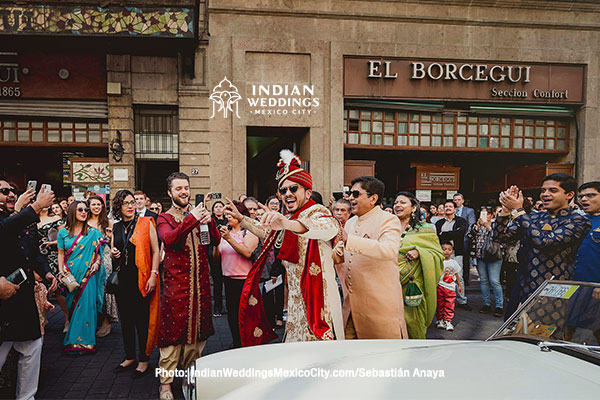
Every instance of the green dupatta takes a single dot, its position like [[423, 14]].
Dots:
[[426, 271]]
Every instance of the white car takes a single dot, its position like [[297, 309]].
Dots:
[[527, 358]]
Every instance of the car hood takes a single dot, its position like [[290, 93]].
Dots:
[[416, 369]]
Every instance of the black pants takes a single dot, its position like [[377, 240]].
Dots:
[[268, 299], [216, 273], [134, 312], [278, 293], [233, 292]]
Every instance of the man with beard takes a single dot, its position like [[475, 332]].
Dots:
[[549, 239], [19, 319], [185, 315], [304, 238]]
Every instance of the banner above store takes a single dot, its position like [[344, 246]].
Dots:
[[388, 78]]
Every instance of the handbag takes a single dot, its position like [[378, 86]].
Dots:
[[491, 250], [112, 282], [413, 296], [68, 280]]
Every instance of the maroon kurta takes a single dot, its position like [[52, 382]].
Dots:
[[185, 313]]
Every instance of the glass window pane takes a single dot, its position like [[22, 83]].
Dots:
[[437, 128], [472, 129], [80, 126], [437, 117], [425, 117], [483, 142], [462, 118], [425, 129], [505, 143], [414, 127], [365, 114], [448, 141], [365, 126], [345, 116], [388, 140], [448, 129], [484, 119], [22, 124], [425, 141], [494, 142], [540, 122], [9, 124], [518, 130], [539, 143], [66, 125], [529, 131], [388, 127], [53, 135], [377, 139], [402, 116], [472, 119], [529, 143], [67, 136], [353, 114], [353, 125], [529, 121], [518, 143], [437, 141], [38, 125], [518, 121], [562, 132], [9, 135], [402, 127], [377, 126], [505, 130], [551, 122], [505, 120], [389, 116], [495, 130], [365, 138], [550, 144], [539, 131], [461, 129], [80, 136], [414, 117], [448, 117], [461, 141], [23, 135], [353, 138], [377, 115], [472, 142], [413, 140], [53, 125], [496, 120], [105, 140], [484, 129], [402, 140], [37, 136], [550, 131], [561, 145]]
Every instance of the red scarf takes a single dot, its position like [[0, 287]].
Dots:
[[254, 326]]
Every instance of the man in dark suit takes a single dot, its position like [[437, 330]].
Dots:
[[468, 214], [453, 228], [140, 206]]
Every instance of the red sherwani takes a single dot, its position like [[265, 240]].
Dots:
[[186, 302]]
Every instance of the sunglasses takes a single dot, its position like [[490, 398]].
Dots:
[[356, 193], [81, 209], [6, 191], [291, 188], [153, 208]]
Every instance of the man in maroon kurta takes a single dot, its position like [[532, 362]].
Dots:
[[185, 317]]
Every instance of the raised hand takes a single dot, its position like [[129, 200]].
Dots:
[[43, 200], [232, 211], [24, 200], [274, 220]]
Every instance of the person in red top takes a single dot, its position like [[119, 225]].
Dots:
[[185, 316]]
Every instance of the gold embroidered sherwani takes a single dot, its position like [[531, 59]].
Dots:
[[323, 227]]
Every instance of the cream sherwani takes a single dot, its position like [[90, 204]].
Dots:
[[322, 227], [371, 281]]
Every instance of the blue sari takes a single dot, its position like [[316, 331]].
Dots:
[[84, 302]]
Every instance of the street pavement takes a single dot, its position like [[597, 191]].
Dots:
[[92, 376]]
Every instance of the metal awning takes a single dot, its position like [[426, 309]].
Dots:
[[54, 108]]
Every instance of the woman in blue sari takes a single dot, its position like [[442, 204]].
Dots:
[[80, 253]]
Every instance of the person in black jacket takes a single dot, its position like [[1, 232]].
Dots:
[[19, 319], [454, 229]]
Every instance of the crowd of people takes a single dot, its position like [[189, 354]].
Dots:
[[350, 269]]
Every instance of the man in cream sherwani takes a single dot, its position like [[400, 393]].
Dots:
[[373, 306]]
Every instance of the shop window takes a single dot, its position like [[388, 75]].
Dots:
[[23, 133], [157, 132], [453, 130]]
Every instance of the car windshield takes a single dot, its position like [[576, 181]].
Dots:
[[558, 312]]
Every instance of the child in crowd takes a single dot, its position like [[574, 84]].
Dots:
[[446, 290]]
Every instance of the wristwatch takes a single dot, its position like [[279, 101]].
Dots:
[[517, 212], [154, 272]]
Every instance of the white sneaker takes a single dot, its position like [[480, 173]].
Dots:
[[449, 326], [441, 324]]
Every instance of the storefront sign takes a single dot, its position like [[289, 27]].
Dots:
[[423, 195], [437, 178], [52, 76], [463, 80]]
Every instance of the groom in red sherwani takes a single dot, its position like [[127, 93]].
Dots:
[[185, 315]]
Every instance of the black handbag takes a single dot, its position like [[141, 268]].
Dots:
[[492, 250], [112, 282]]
